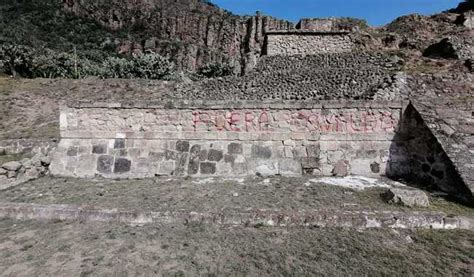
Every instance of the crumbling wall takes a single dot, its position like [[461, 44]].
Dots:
[[226, 138], [300, 42]]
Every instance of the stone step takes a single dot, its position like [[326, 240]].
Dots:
[[248, 218]]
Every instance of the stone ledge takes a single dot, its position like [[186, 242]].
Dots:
[[256, 217], [215, 105], [228, 136], [303, 32]]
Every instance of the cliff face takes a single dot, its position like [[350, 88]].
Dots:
[[192, 33]]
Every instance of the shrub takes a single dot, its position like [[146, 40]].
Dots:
[[16, 59], [216, 70], [148, 66]]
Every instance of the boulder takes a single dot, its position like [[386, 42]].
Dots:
[[12, 166], [3, 171], [406, 197]]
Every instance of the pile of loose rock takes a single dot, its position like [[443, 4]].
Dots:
[[16, 172], [323, 76]]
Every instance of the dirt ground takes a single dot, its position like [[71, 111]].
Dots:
[[211, 195], [29, 108], [34, 248]]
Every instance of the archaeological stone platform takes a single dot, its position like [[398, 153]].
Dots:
[[239, 138], [307, 42]]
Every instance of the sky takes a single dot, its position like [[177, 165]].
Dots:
[[376, 12]]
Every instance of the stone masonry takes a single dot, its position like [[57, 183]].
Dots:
[[307, 42], [212, 138]]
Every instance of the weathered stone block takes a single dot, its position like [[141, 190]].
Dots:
[[166, 168], [310, 163], [313, 150], [300, 152], [193, 166], [235, 148], [239, 168], [229, 158], [406, 197], [289, 167], [208, 168], [105, 163], [215, 155], [182, 146], [122, 165], [157, 156], [171, 155], [203, 155], [12, 166], [99, 149], [341, 168], [72, 151], [86, 166], [119, 143], [261, 152]]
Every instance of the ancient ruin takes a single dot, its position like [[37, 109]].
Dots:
[[372, 131]]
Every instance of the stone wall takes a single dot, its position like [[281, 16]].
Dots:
[[302, 42], [420, 158], [226, 138]]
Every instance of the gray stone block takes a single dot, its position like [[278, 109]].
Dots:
[[122, 165], [86, 166], [203, 155], [12, 166], [215, 155], [406, 197], [99, 149], [310, 163], [239, 168], [341, 169], [229, 158], [166, 168], [193, 166], [261, 152], [313, 150], [104, 164], [72, 151], [208, 168], [157, 156], [182, 146], [289, 167], [235, 148], [171, 155], [119, 144]]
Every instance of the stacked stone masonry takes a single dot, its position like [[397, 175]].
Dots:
[[315, 77], [226, 139], [300, 42]]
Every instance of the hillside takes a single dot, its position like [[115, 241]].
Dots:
[[192, 34]]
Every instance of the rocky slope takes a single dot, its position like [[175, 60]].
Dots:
[[192, 33]]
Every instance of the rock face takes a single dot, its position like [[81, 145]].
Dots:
[[192, 33], [406, 197]]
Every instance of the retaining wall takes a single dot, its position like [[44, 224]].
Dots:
[[138, 140], [301, 42]]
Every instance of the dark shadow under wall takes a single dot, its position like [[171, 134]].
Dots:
[[418, 158]]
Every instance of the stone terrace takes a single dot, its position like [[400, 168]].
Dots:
[[312, 77]]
